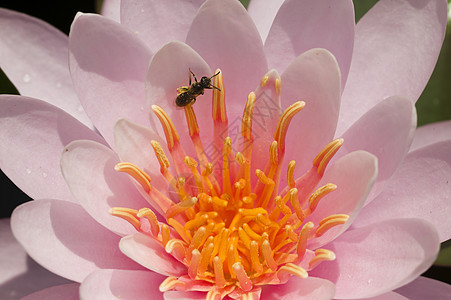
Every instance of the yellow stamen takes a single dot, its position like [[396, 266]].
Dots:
[[243, 279], [292, 269], [246, 125], [226, 184], [302, 240], [194, 264], [219, 272], [329, 222], [295, 204], [139, 175], [290, 174], [181, 207], [192, 165], [264, 81], [219, 108], [176, 248], [255, 260], [171, 283], [323, 158], [165, 234], [320, 256], [128, 215], [278, 85], [180, 230], [319, 194], [205, 257], [267, 254], [152, 218], [168, 127], [191, 120], [284, 121]]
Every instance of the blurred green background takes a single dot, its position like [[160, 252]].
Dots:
[[434, 104]]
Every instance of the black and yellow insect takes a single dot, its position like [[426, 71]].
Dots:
[[187, 94]]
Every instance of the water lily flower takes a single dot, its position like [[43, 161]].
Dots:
[[294, 181]]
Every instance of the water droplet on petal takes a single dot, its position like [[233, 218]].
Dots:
[[44, 175], [28, 171], [58, 84], [26, 78]]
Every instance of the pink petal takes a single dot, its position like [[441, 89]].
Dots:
[[396, 47], [419, 189], [75, 244], [122, 284], [430, 134], [300, 288], [168, 70], [111, 9], [231, 43], [36, 133], [302, 25], [177, 295], [34, 57], [65, 291], [354, 175], [379, 258], [108, 66], [158, 22], [19, 274], [150, 254], [387, 296], [88, 168], [426, 288], [385, 131], [263, 13], [132, 143], [312, 77]]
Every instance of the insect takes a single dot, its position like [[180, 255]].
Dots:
[[187, 94]]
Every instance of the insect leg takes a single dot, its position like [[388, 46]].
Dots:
[[193, 76]]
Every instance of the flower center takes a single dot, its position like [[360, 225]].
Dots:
[[229, 232]]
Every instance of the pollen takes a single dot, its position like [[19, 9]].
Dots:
[[229, 222]]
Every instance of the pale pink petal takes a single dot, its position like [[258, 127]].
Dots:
[[88, 168], [379, 258], [314, 78], [386, 296], [177, 295], [19, 274], [426, 288], [385, 131], [150, 254], [302, 25], [168, 70], [108, 66], [53, 232], [111, 9], [300, 288], [132, 143], [265, 116], [263, 13], [33, 55], [122, 284], [225, 36], [354, 175], [34, 134], [65, 291], [420, 188], [396, 47], [430, 134], [158, 22]]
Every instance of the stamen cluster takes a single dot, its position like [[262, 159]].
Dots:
[[228, 232]]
